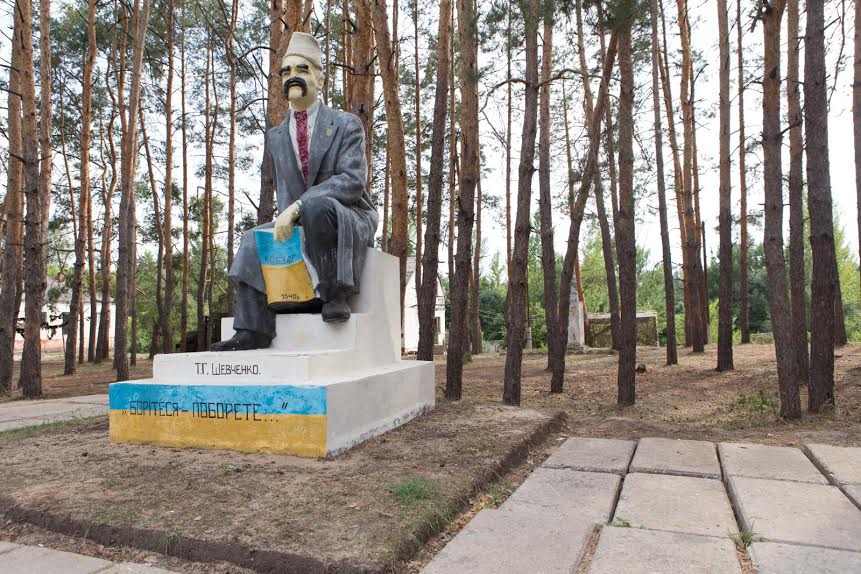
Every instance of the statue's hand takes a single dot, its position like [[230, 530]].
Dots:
[[286, 221]]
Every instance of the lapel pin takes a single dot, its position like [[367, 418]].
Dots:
[[329, 132]]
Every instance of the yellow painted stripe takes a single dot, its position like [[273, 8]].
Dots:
[[300, 435]]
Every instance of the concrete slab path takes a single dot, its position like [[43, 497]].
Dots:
[[20, 414], [19, 559], [671, 514]]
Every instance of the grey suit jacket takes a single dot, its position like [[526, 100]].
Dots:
[[337, 173]]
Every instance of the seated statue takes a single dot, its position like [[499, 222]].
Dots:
[[320, 171]]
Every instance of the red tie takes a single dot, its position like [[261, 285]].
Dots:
[[302, 141]]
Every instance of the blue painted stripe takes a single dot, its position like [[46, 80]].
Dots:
[[263, 399], [278, 253]]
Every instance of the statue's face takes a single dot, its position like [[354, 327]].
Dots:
[[301, 80]]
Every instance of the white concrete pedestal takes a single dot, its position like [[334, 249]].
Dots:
[[317, 391]]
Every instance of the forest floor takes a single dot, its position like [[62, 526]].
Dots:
[[375, 506]]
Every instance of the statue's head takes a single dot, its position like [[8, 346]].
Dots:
[[302, 71]]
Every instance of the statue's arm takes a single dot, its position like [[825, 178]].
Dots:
[[351, 168]]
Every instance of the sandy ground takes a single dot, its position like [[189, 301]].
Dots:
[[346, 511]]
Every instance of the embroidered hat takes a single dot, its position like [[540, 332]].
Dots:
[[307, 46]]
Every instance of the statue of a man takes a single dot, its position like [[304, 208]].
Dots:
[[320, 168]]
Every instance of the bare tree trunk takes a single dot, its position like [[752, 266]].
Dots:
[[452, 155], [159, 291], [724, 359], [126, 256], [784, 343], [625, 239], [209, 136], [518, 286], [387, 189], [839, 317], [669, 283], [10, 280], [555, 344], [508, 129], [327, 57], [469, 146], [856, 116], [744, 305], [285, 16], [37, 189], [395, 140], [347, 52], [477, 345], [796, 195], [824, 275], [167, 233], [231, 152], [603, 222], [693, 312], [427, 294], [418, 102], [569, 265], [362, 79], [183, 312], [677, 168]]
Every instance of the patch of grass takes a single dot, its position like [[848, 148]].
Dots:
[[620, 522], [413, 492], [759, 403], [44, 428], [497, 494], [169, 541], [223, 469], [744, 538], [110, 483]]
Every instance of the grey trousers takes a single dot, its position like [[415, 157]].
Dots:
[[320, 224]]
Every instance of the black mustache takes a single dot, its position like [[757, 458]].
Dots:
[[295, 81]]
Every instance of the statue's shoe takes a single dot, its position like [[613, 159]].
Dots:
[[336, 311], [243, 340]]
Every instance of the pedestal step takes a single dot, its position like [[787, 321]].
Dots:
[[321, 419], [261, 367]]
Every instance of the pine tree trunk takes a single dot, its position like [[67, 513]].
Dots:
[[569, 265], [625, 238], [209, 136], [167, 233], [285, 16], [418, 119], [475, 321], [395, 140], [362, 80], [37, 193], [694, 304], [743, 303], [183, 312], [796, 194], [603, 221], [669, 283], [545, 207], [126, 247], [467, 14], [518, 286], [10, 280], [839, 316], [159, 272], [784, 343], [452, 154], [856, 116], [508, 128], [231, 152], [427, 295], [724, 359], [677, 167], [824, 274]]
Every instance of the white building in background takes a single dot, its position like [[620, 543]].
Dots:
[[54, 322], [411, 311]]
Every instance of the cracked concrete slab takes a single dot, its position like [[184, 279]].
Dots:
[[30, 559], [635, 551], [675, 456], [842, 465], [768, 462], [505, 542], [593, 455], [683, 504], [773, 558], [796, 512], [560, 492]]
